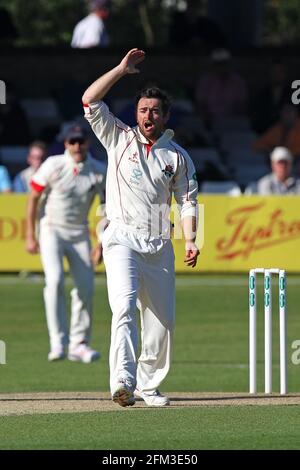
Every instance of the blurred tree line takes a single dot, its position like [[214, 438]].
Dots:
[[282, 22], [142, 22], [51, 22], [44, 22]]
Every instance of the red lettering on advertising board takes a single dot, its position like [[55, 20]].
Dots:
[[246, 236]]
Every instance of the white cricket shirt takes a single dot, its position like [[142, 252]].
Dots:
[[140, 180], [71, 188]]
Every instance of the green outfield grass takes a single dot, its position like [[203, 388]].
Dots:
[[210, 355], [211, 428]]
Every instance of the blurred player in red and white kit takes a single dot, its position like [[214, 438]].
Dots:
[[145, 166], [70, 182]]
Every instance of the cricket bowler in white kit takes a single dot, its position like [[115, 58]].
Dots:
[[70, 183], [144, 168]]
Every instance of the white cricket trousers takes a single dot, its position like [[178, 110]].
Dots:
[[54, 245], [147, 281]]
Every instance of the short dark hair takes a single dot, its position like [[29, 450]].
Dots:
[[155, 92]]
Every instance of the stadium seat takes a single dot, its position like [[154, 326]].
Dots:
[[237, 140], [231, 124], [119, 104], [247, 174], [201, 156], [196, 125], [251, 189], [10, 154], [230, 188], [40, 108], [41, 112], [246, 165], [14, 158], [208, 164], [184, 105], [246, 156]]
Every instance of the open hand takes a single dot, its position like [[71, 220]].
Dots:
[[132, 58]]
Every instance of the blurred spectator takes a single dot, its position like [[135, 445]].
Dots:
[[36, 156], [5, 183], [91, 31], [188, 27], [270, 99], [280, 180], [14, 127], [8, 32], [221, 92], [285, 133]]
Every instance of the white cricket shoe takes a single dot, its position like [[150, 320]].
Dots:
[[56, 354], [83, 353], [153, 398], [123, 395]]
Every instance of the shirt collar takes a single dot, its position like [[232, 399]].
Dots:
[[166, 136], [72, 161]]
